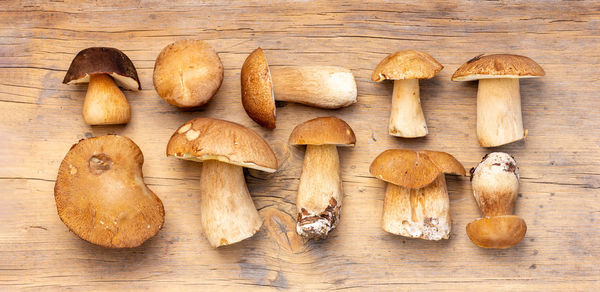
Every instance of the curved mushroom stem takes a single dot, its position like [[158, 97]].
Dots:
[[320, 192], [499, 119], [227, 214], [418, 213], [406, 118], [105, 103]]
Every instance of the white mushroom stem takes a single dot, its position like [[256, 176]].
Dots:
[[320, 192], [105, 103], [499, 118], [418, 213], [227, 213], [406, 118]]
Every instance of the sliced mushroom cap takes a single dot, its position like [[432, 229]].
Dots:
[[100, 60], [497, 232], [101, 195], [257, 90], [498, 66], [323, 131], [408, 64]]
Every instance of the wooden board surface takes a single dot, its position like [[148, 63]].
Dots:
[[40, 118]]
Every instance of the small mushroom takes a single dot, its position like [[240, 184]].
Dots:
[[416, 200], [104, 103], [495, 184], [227, 213], [406, 68], [101, 195], [499, 118], [187, 73], [328, 87], [320, 192]]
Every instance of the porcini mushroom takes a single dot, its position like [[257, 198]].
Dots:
[[328, 87], [495, 184], [499, 118], [228, 214], [406, 68], [320, 192], [101, 195], [187, 73], [416, 200], [104, 103]]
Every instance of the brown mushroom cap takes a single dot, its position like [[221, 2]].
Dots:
[[497, 232], [257, 89], [323, 131], [498, 66], [408, 64], [211, 139], [99, 60], [101, 195], [187, 73], [414, 169]]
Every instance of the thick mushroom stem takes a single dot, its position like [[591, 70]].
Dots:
[[418, 213], [320, 192], [227, 214], [406, 118], [499, 119], [105, 103]]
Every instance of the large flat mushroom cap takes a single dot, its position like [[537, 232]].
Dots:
[[497, 232], [101, 195], [257, 89], [187, 73], [100, 60], [414, 169], [323, 131], [408, 64], [212, 139], [498, 66]]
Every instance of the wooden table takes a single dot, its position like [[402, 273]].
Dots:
[[40, 118]]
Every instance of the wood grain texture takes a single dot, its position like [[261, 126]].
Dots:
[[40, 118]]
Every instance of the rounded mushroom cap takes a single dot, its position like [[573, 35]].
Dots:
[[257, 89], [99, 60], [497, 232], [414, 169], [323, 131], [211, 139], [498, 66], [408, 64], [101, 195], [187, 73]]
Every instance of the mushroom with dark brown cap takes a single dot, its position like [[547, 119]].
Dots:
[[320, 192], [187, 73], [495, 184], [416, 200], [499, 118], [101, 195], [228, 214], [406, 68], [104, 103], [328, 87]]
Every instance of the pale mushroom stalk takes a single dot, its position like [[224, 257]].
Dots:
[[105, 103], [406, 117], [499, 119]]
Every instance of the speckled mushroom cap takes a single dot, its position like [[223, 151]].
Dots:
[[414, 169], [257, 90], [101, 195], [498, 66], [323, 131], [99, 60], [408, 64], [497, 232], [188, 73], [212, 139]]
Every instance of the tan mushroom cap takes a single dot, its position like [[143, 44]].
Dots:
[[497, 232], [498, 66], [323, 131], [212, 139], [414, 169], [101, 195], [188, 73], [408, 64], [257, 89]]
